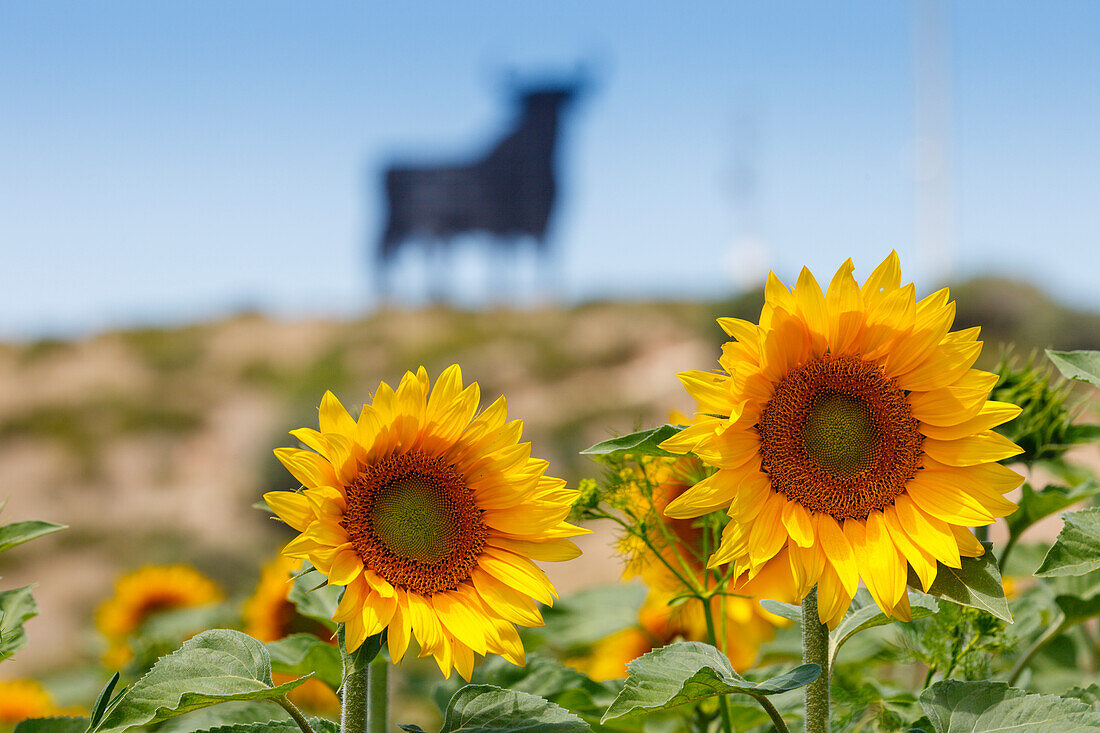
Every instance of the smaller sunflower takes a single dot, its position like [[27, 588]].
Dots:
[[269, 614], [743, 624], [23, 699], [143, 593]]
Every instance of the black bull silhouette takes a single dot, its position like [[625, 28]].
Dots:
[[508, 194]]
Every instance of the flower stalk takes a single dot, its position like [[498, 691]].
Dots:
[[353, 691], [815, 650]]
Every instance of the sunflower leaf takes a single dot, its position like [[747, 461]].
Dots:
[[1034, 505], [1083, 366], [690, 671], [103, 700], [213, 667], [300, 654], [864, 613], [976, 584], [1077, 549], [319, 725], [954, 706], [789, 611], [17, 606], [317, 603], [52, 725], [487, 708], [17, 533], [570, 623], [641, 443]]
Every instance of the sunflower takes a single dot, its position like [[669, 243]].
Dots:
[[743, 624], [144, 592], [23, 699], [852, 438], [430, 515], [269, 615]]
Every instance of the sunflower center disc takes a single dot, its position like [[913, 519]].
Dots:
[[413, 520], [839, 437]]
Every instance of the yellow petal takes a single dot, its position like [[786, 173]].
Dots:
[[460, 620], [806, 565], [833, 599], [991, 415], [352, 601], [463, 660], [938, 497], [553, 550], [710, 390], [400, 629], [922, 562], [741, 330], [377, 612], [308, 467], [928, 532], [713, 492], [968, 543], [518, 573], [425, 624], [767, 534], [984, 447], [838, 550], [509, 603], [942, 368], [799, 524], [885, 278], [346, 567], [333, 418], [292, 508]]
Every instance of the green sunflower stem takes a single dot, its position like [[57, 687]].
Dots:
[[815, 650], [723, 703], [377, 695], [353, 690]]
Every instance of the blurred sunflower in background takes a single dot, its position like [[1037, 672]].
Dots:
[[648, 485], [22, 699], [269, 615], [431, 515], [141, 594], [851, 436]]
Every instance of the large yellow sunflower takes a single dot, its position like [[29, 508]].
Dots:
[[22, 699], [144, 592], [851, 435], [430, 514]]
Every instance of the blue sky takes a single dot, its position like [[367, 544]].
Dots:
[[163, 162]]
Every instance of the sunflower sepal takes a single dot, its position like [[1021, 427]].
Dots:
[[689, 672], [489, 708], [977, 583]]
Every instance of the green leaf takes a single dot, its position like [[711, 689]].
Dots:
[[102, 700], [690, 671], [1033, 505], [864, 613], [319, 725], [17, 606], [1089, 695], [1083, 366], [17, 533], [212, 667], [641, 443], [300, 654], [317, 603], [982, 707], [789, 611], [571, 624], [976, 584], [52, 725], [483, 708], [543, 676], [1077, 549]]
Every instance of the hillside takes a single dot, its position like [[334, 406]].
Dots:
[[152, 445]]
